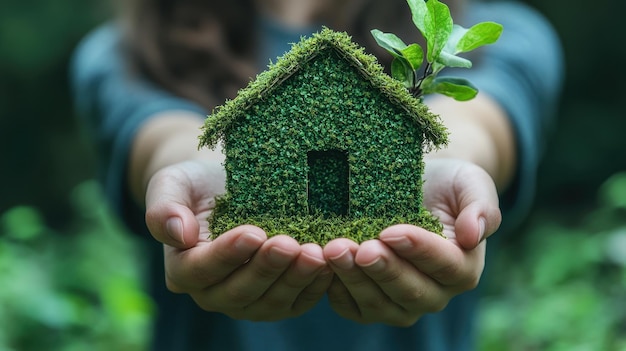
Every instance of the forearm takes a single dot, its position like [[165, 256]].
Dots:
[[480, 132], [165, 139]]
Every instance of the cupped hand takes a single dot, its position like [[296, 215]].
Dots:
[[409, 271], [241, 273]]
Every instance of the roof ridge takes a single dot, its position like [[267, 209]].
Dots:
[[304, 51]]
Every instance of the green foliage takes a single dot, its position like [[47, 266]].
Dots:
[[565, 285], [36, 40], [71, 291], [444, 41]]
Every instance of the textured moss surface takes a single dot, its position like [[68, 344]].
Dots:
[[321, 229], [323, 144]]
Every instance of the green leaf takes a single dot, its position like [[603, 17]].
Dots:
[[419, 14], [401, 70], [459, 89], [438, 28], [414, 55], [389, 42], [450, 60], [480, 34], [457, 33]]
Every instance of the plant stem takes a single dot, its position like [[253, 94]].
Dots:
[[416, 90]]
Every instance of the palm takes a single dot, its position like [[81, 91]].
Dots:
[[202, 181], [450, 188]]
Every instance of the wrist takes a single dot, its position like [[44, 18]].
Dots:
[[480, 133], [165, 139]]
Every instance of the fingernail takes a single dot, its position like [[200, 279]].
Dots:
[[279, 256], [377, 265], [174, 228], [307, 269], [400, 243], [482, 223], [344, 260], [248, 242]]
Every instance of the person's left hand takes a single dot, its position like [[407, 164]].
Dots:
[[410, 271]]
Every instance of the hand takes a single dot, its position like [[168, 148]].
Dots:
[[409, 271], [241, 273]]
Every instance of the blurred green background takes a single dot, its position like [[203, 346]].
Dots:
[[70, 276]]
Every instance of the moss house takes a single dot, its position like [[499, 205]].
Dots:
[[323, 144]]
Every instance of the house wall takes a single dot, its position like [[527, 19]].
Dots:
[[326, 105]]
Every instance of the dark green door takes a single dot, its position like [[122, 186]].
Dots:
[[329, 191]]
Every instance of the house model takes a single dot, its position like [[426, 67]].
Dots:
[[323, 144]]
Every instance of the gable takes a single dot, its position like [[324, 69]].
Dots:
[[268, 82]]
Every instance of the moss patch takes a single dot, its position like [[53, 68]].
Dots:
[[321, 228]]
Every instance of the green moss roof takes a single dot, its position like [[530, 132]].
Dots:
[[218, 123]]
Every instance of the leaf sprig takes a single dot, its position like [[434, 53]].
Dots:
[[444, 41]]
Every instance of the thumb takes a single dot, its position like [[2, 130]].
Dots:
[[475, 223], [169, 217], [479, 215]]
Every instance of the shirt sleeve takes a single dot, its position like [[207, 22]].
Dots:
[[523, 72], [113, 103]]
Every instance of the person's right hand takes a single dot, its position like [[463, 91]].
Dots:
[[241, 273]]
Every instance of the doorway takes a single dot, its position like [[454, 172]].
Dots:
[[328, 186]]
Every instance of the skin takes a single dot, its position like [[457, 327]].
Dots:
[[395, 279]]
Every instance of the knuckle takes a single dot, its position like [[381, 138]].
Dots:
[[294, 285], [411, 297], [389, 277], [419, 301], [446, 273], [238, 297], [266, 272], [311, 294]]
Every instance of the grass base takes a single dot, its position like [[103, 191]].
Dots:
[[319, 229]]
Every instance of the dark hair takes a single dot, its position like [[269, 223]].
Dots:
[[204, 50]]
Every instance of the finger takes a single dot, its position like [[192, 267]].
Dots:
[[169, 217], [322, 277], [407, 287], [340, 255], [479, 215], [437, 257], [372, 303], [476, 222], [172, 225], [210, 263], [251, 281], [342, 301], [294, 287], [311, 295]]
